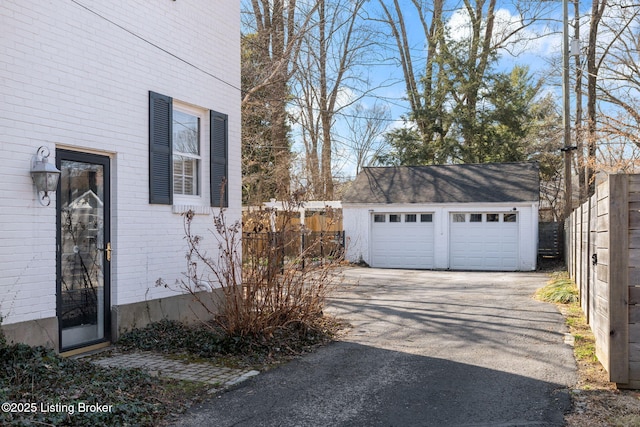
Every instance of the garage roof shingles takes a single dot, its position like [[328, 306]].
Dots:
[[466, 183]]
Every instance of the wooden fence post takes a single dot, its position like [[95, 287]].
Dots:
[[618, 278]]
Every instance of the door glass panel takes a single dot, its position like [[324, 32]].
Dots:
[[82, 283]]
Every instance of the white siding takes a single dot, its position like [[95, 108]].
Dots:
[[78, 78], [357, 225], [357, 220]]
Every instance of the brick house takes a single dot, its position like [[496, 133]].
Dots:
[[138, 105]]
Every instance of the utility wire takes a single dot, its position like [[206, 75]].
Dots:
[[157, 46], [88, 9]]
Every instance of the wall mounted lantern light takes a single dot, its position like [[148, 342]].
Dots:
[[45, 175]]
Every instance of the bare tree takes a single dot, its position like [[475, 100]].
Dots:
[[613, 85], [277, 28], [617, 155], [578, 116], [618, 91], [425, 89], [327, 82], [597, 10], [366, 128], [620, 70]]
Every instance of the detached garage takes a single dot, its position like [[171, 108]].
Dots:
[[458, 217]]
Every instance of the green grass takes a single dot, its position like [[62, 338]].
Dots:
[[561, 289], [585, 347]]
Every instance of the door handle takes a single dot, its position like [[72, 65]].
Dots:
[[108, 251]]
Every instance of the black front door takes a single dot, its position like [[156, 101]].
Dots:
[[84, 249]]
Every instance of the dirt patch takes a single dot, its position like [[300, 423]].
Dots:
[[596, 401], [608, 407]]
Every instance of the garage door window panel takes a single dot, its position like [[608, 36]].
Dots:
[[379, 218], [426, 217], [475, 217], [459, 217], [492, 217], [395, 218], [511, 217], [410, 218]]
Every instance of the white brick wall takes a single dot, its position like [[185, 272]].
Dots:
[[78, 78]]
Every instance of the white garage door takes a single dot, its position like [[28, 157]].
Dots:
[[402, 240], [484, 241]]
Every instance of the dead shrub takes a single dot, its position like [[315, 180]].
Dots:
[[277, 284]]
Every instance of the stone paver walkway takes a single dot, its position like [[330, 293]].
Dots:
[[156, 364]]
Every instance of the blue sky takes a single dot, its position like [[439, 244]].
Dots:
[[540, 49]]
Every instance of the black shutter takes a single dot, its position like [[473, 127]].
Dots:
[[219, 159], [160, 149]]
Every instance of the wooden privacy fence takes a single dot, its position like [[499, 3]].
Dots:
[[603, 257], [278, 248]]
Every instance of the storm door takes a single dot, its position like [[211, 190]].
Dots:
[[84, 249]]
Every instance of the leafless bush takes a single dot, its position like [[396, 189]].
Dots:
[[271, 288]]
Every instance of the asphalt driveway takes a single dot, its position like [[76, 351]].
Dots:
[[427, 348]]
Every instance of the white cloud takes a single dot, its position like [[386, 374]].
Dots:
[[459, 25], [536, 39]]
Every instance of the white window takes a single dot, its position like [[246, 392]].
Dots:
[[379, 218], [410, 218], [475, 217], [426, 217], [186, 152], [186, 133], [395, 218], [493, 217]]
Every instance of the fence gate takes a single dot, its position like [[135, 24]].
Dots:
[[551, 239]]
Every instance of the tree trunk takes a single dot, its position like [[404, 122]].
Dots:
[[582, 185], [597, 10]]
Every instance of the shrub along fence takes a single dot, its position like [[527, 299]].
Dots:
[[603, 257]]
